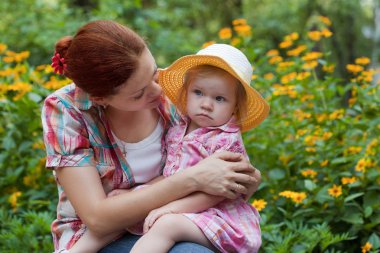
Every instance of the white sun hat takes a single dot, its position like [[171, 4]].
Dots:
[[227, 58]]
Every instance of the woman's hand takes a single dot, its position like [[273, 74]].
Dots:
[[225, 174]]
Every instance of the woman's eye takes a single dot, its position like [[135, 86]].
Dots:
[[139, 96], [220, 99], [198, 92]]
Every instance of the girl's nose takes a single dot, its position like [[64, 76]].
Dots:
[[206, 104]]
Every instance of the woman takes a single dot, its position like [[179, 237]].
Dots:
[[115, 107]]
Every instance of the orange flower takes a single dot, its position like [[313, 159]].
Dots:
[[314, 35], [335, 191], [259, 204], [366, 247], [225, 33]]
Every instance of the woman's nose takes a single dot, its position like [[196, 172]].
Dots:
[[155, 89]]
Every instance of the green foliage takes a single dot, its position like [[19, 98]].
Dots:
[[318, 150], [25, 232]]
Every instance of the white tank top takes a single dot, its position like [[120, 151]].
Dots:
[[144, 157]]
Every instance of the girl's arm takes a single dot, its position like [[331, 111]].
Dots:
[[215, 175]]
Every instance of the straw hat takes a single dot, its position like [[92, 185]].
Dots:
[[225, 57]]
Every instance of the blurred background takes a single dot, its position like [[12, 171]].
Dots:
[[315, 61]]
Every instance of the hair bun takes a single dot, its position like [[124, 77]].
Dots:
[[63, 45]]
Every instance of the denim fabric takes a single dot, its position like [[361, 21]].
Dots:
[[126, 243]]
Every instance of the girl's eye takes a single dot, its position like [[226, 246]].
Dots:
[[198, 92], [220, 99]]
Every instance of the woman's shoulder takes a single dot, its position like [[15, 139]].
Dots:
[[64, 94]]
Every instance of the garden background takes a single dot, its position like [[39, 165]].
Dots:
[[315, 61]]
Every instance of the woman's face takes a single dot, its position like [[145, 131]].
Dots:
[[141, 91]]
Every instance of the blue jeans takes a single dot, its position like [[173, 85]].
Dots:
[[125, 244]]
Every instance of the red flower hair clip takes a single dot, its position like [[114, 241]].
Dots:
[[58, 63]]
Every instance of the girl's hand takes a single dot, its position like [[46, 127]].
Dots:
[[154, 215], [225, 174]]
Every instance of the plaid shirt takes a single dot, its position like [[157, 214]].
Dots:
[[232, 225], [77, 134]]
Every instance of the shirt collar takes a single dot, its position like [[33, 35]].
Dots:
[[230, 127], [82, 99]]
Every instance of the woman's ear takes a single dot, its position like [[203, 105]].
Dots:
[[99, 101]]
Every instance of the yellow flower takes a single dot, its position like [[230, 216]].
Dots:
[[285, 159], [311, 150], [328, 68], [303, 76], [363, 61], [325, 20], [301, 115], [240, 21], [362, 164], [348, 180], [291, 37], [208, 43], [371, 146], [366, 247], [338, 114], [312, 56], [268, 76], [286, 44], [235, 41], [326, 33], [225, 33], [335, 191], [314, 35], [259, 204], [296, 197], [243, 30], [13, 199], [3, 47], [327, 135], [273, 52], [354, 68], [324, 163], [310, 65], [254, 77], [353, 150], [297, 51], [38, 145], [54, 83], [288, 78], [309, 173], [275, 59]]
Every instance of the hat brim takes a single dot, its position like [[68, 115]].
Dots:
[[171, 79]]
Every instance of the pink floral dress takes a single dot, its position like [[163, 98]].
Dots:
[[232, 225]]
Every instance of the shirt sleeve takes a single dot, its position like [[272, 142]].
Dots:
[[65, 135]]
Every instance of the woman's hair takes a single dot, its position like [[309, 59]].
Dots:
[[207, 71], [101, 56]]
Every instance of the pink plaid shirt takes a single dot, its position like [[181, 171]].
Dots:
[[77, 134], [232, 225]]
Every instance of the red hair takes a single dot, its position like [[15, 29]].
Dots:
[[101, 56]]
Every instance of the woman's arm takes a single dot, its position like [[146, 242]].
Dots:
[[216, 175]]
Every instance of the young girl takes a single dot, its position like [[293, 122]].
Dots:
[[213, 89]]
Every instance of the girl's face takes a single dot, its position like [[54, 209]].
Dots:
[[211, 100], [141, 91]]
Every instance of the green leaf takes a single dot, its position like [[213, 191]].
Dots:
[[277, 174], [368, 211], [353, 218], [353, 196], [374, 239], [310, 185]]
